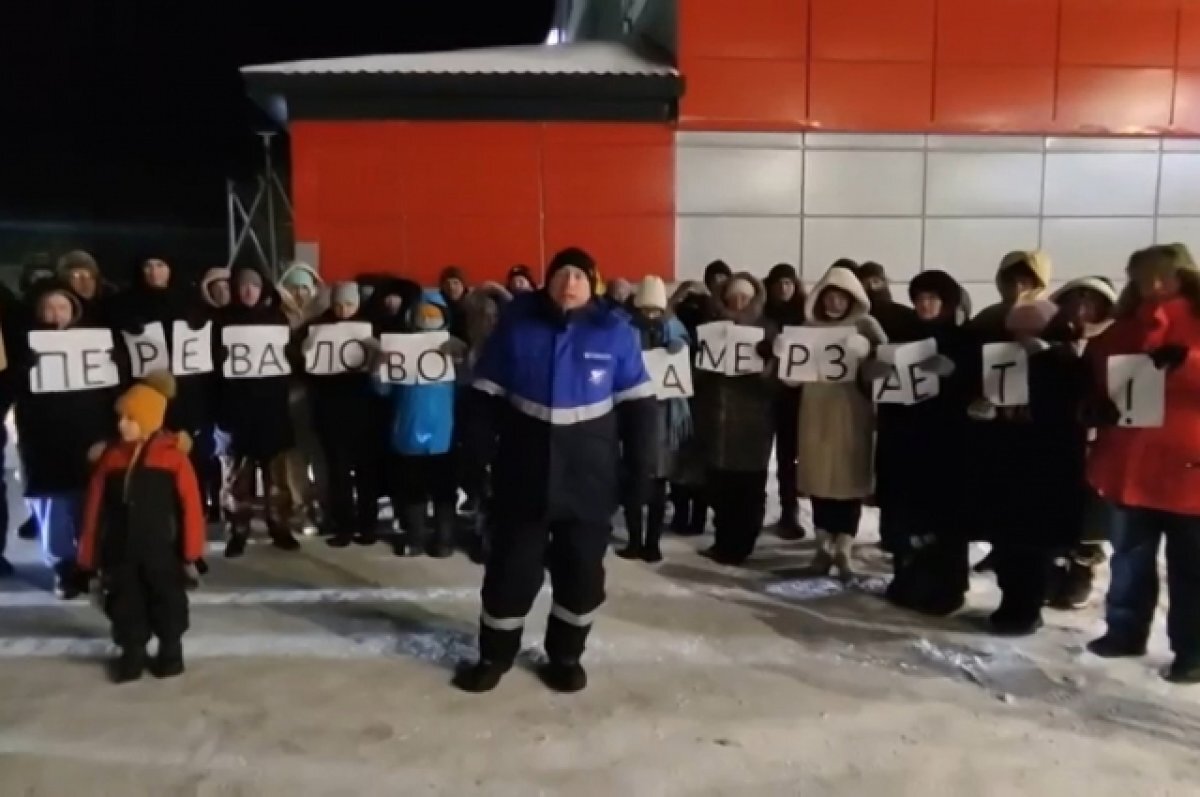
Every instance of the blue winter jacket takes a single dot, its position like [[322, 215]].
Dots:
[[562, 397], [422, 416]]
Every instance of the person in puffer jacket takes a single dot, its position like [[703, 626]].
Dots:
[[918, 459], [1088, 304], [735, 422], [1152, 475], [693, 306], [672, 424], [837, 425], [341, 410], [422, 438], [254, 412], [785, 308], [54, 434]]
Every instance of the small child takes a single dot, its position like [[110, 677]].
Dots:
[[143, 531]]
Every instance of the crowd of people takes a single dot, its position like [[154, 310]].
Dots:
[[552, 425]]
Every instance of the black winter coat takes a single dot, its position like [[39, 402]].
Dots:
[[919, 449], [342, 404], [254, 412], [192, 408]]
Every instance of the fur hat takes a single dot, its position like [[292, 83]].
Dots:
[[651, 294], [1100, 285], [146, 402], [78, 260], [577, 258], [740, 285], [346, 293]]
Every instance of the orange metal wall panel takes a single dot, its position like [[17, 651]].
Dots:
[[997, 32], [485, 246], [765, 29], [1110, 60], [413, 198], [1119, 32], [864, 96], [743, 94], [1120, 100], [1186, 116], [624, 246], [994, 98], [873, 30]]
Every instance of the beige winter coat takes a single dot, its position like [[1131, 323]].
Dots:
[[837, 421]]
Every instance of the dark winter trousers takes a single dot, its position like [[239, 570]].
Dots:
[[739, 503], [421, 479], [1023, 575], [787, 433], [1133, 593], [144, 599], [573, 551], [836, 515], [207, 466], [353, 488], [655, 512]]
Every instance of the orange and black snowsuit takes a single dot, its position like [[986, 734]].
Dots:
[[143, 522]]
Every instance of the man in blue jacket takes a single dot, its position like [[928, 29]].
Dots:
[[561, 396]]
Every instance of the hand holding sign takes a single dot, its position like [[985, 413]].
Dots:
[[72, 359], [670, 372], [1139, 389], [415, 359], [1006, 374], [730, 349], [905, 382], [332, 349], [818, 354], [147, 350], [256, 352]]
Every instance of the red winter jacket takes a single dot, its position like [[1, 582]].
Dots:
[[1153, 468], [142, 505]]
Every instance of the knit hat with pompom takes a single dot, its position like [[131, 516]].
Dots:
[[146, 402]]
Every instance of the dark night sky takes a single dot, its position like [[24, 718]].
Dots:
[[133, 110]]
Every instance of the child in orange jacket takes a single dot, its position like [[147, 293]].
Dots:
[[143, 531]]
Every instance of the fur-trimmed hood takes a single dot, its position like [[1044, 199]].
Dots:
[[845, 280], [753, 314], [211, 277], [44, 288], [475, 306], [1037, 261]]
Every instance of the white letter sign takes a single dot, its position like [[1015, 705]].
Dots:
[[191, 349], [905, 382], [72, 359], [816, 354], [1006, 374], [415, 359], [147, 351], [337, 348], [671, 374], [256, 352], [730, 349], [1138, 389], [711, 355]]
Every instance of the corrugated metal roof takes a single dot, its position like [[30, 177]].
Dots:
[[583, 58]]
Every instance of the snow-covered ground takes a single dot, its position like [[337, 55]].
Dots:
[[328, 672]]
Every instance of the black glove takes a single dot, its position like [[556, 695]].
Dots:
[[196, 321], [765, 349], [1169, 357], [136, 327], [1099, 412]]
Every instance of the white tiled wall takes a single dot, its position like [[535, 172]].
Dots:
[[914, 202]]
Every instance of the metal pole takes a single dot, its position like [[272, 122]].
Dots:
[[272, 243], [231, 219]]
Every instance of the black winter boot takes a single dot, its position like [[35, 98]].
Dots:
[[442, 544], [698, 522], [788, 528], [651, 552], [635, 524], [681, 508], [169, 661], [566, 677], [1185, 671], [416, 524], [129, 666], [1111, 646], [479, 677], [282, 536], [342, 539]]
